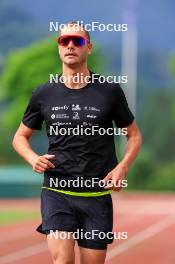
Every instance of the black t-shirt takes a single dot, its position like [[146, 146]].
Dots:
[[78, 156]]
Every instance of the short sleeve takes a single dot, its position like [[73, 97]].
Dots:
[[32, 117], [121, 113]]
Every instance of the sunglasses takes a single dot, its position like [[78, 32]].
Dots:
[[77, 40]]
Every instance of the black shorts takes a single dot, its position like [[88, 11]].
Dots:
[[91, 218]]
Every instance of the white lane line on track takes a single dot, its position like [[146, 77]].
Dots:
[[144, 209], [24, 253], [140, 237], [16, 235]]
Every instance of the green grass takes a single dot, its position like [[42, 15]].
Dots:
[[17, 216]]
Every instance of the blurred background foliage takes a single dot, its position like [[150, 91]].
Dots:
[[28, 54]]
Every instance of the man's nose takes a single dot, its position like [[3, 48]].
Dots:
[[71, 44]]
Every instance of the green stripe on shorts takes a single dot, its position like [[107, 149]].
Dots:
[[86, 194]]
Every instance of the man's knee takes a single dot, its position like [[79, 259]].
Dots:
[[62, 258], [60, 253], [59, 250]]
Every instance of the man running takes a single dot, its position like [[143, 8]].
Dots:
[[80, 170]]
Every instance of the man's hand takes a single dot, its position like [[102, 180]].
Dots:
[[22, 146], [134, 141], [114, 178], [42, 163]]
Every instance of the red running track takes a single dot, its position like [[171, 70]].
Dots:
[[148, 219]]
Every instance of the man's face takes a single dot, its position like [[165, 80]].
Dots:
[[70, 54]]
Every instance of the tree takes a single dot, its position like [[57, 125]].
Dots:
[[27, 68]]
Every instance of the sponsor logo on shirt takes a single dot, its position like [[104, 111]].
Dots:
[[91, 108], [76, 107], [53, 116], [61, 123], [76, 115], [92, 116], [61, 107]]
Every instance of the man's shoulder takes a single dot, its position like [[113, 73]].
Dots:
[[43, 89]]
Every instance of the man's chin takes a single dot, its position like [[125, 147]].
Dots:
[[71, 62]]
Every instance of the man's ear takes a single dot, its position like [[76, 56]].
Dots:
[[90, 48]]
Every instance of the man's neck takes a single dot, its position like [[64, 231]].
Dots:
[[75, 77]]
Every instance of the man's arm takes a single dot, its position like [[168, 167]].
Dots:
[[134, 141], [22, 146]]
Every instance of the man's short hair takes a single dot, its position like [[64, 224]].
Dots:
[[80, 25]]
